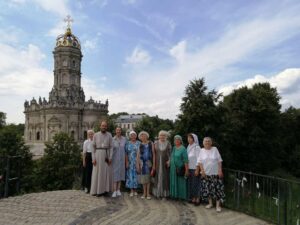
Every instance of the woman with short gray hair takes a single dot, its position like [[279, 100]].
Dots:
[[145, 163], [162, 149], [210, 162], [87, 161], [118, 161]]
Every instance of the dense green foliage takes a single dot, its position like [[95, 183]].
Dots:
[[154, 124], [56, 170], [199, 112], [247, 127], [2, 119], [290, 140], [251, 128], [12, 144], [111, 126]]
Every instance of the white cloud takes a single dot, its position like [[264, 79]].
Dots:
[[22, 77], [165, 23], [90, 44], [10, 35], [138, 57], [149, 28], [179, 51], [287, 83], [58, 29], [165, 85], [59, 7], [158, 90]]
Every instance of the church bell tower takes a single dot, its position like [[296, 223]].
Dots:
[[67, 69]]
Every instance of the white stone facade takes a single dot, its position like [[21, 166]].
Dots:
[[66, 109], [128, 122]]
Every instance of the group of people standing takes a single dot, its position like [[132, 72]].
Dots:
[[193, 173]]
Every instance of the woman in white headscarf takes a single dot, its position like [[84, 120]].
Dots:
[[193, 151], [131, 148]]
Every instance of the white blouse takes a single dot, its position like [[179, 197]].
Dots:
[[193, 154], [88, 146], [210, 159]]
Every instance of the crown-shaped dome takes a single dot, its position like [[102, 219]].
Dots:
[[68, 40]]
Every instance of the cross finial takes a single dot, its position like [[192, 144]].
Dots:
[[68, 20]]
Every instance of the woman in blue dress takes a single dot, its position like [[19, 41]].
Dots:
[[131, 149], [118, 161], [145, 163]]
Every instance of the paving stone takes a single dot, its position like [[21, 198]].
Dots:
[[71, 207]]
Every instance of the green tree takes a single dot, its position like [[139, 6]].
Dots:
[[56, 170], [290, 140], [111, 126], [199, 113], [154, 124], [116, 115], [19, 128], [2, 119], [250, 132], [12, 144]]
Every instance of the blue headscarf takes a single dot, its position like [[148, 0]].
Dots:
[[178, 137]]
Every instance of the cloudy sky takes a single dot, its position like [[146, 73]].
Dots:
[[141, 54]]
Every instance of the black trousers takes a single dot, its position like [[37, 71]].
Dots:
[[87, 171]]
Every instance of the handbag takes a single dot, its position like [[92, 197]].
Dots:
[[180, 171]]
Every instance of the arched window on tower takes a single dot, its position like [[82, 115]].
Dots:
[[73, 63], [38, 135], [30, 135]]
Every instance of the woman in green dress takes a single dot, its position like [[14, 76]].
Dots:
[[179, 170]]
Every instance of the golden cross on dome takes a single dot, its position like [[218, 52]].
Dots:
[[68, 20]]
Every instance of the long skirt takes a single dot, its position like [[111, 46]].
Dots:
[[212, 187], [178, 185], [101, 175], [87, 171], [194, 185], [161, 182]]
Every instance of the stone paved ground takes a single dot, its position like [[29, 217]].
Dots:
[[75, 207]]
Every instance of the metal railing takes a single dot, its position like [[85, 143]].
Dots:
[[269, 198], [10, 174]]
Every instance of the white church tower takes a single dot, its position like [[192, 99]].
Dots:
[[66, 109]]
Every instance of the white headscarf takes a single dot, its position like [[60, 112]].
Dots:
[[196, 142], [132, 132]]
